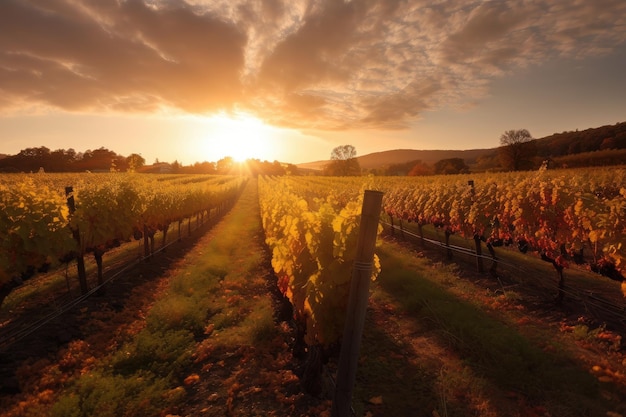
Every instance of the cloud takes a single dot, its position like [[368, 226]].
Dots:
[[326, 64], [108, 55]]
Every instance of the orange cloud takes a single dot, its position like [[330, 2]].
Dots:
[[323, 64]]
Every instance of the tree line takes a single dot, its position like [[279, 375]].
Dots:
[[104, 160], [68, 160]]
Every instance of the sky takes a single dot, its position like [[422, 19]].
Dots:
[[289, 80]]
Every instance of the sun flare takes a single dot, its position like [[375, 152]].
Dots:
[[240, 136]]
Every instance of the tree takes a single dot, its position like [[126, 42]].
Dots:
[[101, 159], [516, 149], [419, 169], [608, 143], [343, 162], [343, 153], [134, 162], [451, 166], [225, 165], [31, 159]]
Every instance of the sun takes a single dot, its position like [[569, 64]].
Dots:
[[240, 136]]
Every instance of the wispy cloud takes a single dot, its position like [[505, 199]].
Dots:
[[315, 64]]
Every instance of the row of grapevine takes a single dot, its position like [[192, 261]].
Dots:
[[573, 214], [312, 230], [48, 218], [565, 215]]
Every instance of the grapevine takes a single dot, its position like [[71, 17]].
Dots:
[[47, 219]]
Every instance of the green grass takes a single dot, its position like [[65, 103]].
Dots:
[[495, 357], [524, 268]]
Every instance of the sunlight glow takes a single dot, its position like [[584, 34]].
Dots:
[[240, 136]]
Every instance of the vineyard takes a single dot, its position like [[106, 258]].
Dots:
[[51, 220], [572, 221], [564, 217]]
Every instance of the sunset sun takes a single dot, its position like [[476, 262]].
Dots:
[[240, 136]]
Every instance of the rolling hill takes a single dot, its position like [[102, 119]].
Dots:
[[558, 145], [399, 156]]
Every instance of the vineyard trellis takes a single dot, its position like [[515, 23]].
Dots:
[[101, 218], [602, 305], [564, 216], [310, 222]]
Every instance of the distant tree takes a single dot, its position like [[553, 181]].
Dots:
[[225, 165], [343, 153], [277, 168], [61, 160], [31, 159], [516, 149], [419, 169], [343, 162], [201, 168], [573, 148], [134, 162], [291, 169], [176, 167], [608, 143], [101, 159], [451, 166]]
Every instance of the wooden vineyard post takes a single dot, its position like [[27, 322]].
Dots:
[[357, 303], [494, 263], [448, 249], [146, 242], [477, 237], [80, 260], [479, 252], [421, 232]]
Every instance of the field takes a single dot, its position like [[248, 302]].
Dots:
[[202, 329]]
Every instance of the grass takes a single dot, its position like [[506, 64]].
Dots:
[[471, 360], [212, 295], [525, 268]]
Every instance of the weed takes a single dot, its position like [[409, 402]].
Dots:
[[162, 353], [108, 395], [177, 312]]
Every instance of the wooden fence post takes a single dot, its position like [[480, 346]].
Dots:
[[80, 259], [357, 303], [479, 252]]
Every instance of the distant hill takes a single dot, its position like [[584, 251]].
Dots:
[[399, 156], [556, 146]]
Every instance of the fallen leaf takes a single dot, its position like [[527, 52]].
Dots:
[[192, 379], [376, 400]]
